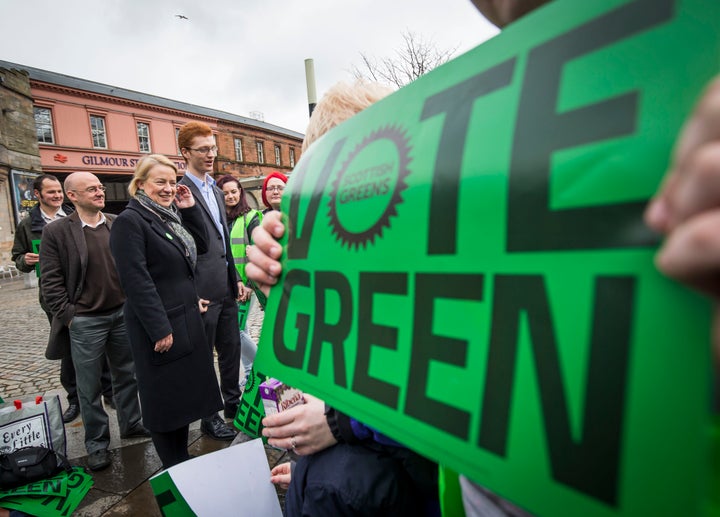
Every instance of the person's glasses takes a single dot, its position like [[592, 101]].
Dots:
[[204, 150], [278, 188], [92, 190]]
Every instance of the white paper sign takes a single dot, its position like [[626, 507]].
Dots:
[[231, 481]]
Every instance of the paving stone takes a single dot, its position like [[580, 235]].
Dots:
[[24, 330]]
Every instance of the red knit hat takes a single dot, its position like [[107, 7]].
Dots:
[[278, 175]]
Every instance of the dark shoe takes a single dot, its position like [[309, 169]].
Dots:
[[231, 410], [216, 428], [109, 401], [99, 460], [71, 413], [136, 432]]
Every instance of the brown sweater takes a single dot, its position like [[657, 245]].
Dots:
[[101, 291]]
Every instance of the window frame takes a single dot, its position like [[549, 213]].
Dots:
[[98, 132], [140, 137], [260, 148], [278, 154], [292, 157], [237, 142], [49, 125]]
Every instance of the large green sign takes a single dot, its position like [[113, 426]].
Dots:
[[467, 269]]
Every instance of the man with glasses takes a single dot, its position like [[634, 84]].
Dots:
[[82, 290], [215, 275], [49, 193]]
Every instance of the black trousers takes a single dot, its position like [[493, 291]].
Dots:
[[171, 446], [221, 330]]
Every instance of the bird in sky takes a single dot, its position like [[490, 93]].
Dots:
[[182, 17]]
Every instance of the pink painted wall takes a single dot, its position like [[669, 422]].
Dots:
[[71, 122]]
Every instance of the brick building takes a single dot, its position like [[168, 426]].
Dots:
[[57, 124]]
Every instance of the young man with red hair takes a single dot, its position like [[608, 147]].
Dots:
[[215, 275]]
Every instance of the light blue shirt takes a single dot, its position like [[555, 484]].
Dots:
[[206, 188]]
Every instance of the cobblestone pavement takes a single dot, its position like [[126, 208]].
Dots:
[[123, 489], [23, 337]]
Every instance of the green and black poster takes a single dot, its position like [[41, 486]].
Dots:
[[467, 269]]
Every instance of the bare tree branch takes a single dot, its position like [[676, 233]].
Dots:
[[416, 58]]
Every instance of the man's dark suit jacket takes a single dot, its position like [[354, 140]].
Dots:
[[216, 267], [63, 262]]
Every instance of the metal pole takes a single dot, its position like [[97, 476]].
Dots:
[[310, 81]]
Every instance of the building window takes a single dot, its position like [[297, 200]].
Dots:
[[143, 131], [43, 126], [97, 127], [177, 134], [277, 155], [260, 152], [292, 157], [238, 149]]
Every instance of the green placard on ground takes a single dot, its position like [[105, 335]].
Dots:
[[467, 269], [57, 496]]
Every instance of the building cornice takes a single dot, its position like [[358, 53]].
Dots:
[[75, 92]]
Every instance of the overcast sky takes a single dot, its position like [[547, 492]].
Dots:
[[233, 55]]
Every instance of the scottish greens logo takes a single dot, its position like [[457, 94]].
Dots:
[[368, 187]]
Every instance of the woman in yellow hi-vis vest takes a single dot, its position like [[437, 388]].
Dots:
[[239, 214]]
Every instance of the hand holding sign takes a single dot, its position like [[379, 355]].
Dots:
[[264, 267], [305, 426], [31, 258], [687, 207]]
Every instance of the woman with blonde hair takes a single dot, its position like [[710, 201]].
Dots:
[[155, 242]]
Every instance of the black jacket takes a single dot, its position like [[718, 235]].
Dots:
[[28, 230], [216, 267], [178, 386]]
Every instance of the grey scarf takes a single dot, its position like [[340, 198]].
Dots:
[[171, 217]]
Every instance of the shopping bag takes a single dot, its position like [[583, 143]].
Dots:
[[32, 421], [202, 487], [250, 413]]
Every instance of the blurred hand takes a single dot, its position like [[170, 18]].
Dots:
[[183, 197], [164, 344], [263, 265], [203, 305], [244, 292], [32, 258], [306, 423], [687, 207], [281, 475]]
